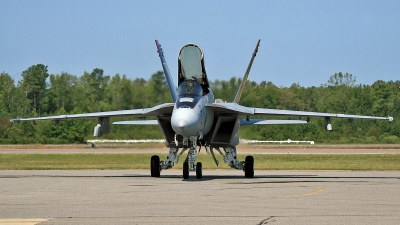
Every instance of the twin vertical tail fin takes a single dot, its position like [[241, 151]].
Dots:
[[171, 85], [240, 91]]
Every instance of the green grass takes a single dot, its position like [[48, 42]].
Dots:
[[379, 162]]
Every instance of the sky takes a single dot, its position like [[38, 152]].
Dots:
[[302, 42]]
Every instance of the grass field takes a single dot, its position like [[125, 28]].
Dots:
[[378, 162]]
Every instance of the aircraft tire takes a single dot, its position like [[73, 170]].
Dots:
[[155, 166], [249, 167], [199, 170], [185, 170]]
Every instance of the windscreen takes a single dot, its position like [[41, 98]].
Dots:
[[190, 92]]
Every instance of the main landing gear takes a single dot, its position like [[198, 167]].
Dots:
[[155, 166], [230, 158], [249, 167]]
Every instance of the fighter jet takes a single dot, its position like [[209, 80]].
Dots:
[[195, 119]]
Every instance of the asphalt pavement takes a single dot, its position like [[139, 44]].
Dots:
[[221, 197]]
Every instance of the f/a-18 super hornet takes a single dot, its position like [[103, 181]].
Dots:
[[195, 119]]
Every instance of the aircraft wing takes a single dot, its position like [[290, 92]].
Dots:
[[239, 110], [157, 110], [278, 112], [234, 109]]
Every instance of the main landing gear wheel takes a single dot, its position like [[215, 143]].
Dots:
[[249, 167], [185, 170], [155, 166], [199, 170]]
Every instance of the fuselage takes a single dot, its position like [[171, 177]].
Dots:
[[190, 116]]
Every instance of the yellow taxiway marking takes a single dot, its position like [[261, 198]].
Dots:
[[15, 221], [319, 190], [255, 198]]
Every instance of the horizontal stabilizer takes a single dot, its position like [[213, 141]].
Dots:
[[270, 122], [137, 122]]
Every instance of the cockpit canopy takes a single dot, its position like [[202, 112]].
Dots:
[[190, 57], [190, 92], [191, 65]]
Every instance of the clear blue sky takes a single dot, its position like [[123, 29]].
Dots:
[[302, 42]]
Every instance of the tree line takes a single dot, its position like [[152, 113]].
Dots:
[[41, 94]]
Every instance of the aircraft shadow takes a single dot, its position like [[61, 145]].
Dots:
[[274, 178], [234, 178]]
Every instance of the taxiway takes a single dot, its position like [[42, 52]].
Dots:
[[221, 197]]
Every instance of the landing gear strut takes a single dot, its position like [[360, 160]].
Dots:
[[189, 165]]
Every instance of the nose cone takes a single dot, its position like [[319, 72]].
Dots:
[[182, 125], [185, 122]]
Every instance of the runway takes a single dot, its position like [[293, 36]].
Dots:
[[221, 197]]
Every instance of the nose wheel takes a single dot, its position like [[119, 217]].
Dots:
[[185, 170]]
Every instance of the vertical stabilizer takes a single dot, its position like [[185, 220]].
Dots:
[[240, 91], [171, 85]]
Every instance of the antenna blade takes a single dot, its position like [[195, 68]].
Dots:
[[240, 91]]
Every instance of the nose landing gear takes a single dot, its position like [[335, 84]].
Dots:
[[189, 165], [199, 170]]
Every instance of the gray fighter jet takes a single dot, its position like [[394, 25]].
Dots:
[[195, 118]]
